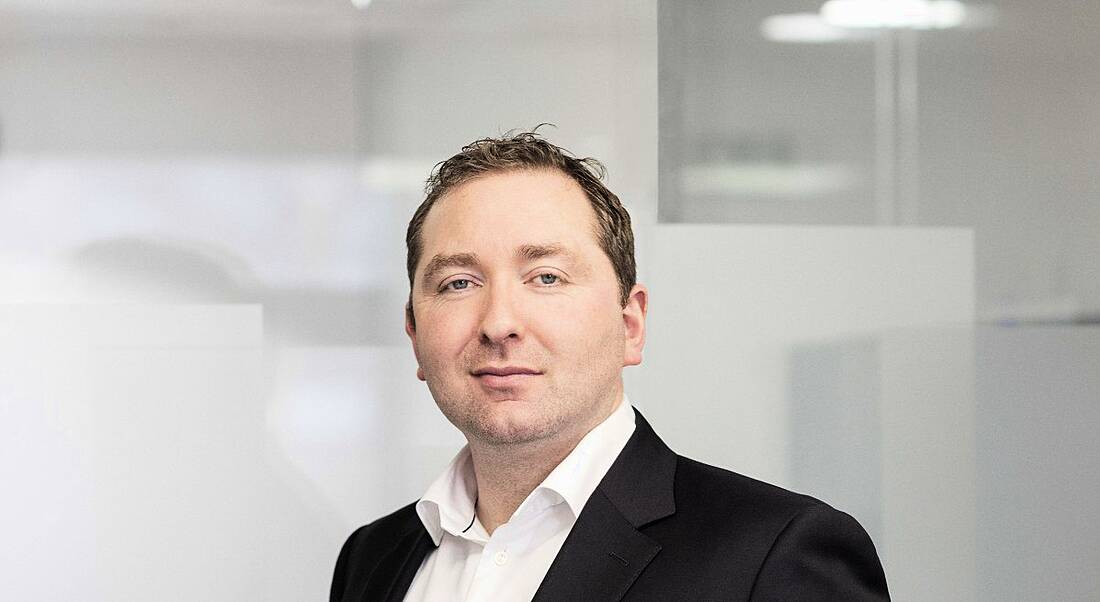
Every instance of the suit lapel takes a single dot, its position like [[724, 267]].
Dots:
[[600, 559], [605, 552], [394, 574]]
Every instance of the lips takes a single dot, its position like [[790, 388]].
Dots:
[[504, 371], [504, 377]]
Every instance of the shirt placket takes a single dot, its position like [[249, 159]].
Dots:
[[493, 567]]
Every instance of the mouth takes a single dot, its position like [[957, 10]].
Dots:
[[504, 377]]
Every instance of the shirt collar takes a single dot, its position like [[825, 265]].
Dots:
[[582, 470], [449, 503]]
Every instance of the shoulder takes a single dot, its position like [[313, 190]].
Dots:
[[702, 488], [369, 544], [724, 535], [748, 509], [787, 544], [388, 529]]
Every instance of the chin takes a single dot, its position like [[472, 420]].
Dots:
[[508, 426], [512, 437]]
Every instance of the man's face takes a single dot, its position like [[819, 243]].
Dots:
[[519, 331]]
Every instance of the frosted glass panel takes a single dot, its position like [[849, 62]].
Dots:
[[771, 116], [1038, 406], [205, 383], [730, 302], [756, 131], [837, 361]]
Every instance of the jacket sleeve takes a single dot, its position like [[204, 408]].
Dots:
[[821, 555]]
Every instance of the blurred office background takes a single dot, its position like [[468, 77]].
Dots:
[[870, 231]]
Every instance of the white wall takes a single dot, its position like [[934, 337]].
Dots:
[[143, 95], [836, 361], [1037, 390], [738, 298], [177, 166]]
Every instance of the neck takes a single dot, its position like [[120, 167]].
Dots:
[[507, 473]]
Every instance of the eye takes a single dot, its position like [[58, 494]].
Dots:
[[548, 279], [457, 284]]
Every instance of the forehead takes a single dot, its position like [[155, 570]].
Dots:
[[510, 209]]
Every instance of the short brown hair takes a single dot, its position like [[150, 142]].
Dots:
[[522, 151]]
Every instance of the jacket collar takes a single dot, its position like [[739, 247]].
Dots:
[[604, 553], [640, 482], [391, 579], [449, 503]]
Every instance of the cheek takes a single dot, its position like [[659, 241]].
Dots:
[[587, 334], [442, 337]]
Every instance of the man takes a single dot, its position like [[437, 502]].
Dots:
[[523, 311]]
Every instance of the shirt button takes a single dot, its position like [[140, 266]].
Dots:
[[500, 558]]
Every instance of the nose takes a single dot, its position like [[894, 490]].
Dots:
[[501, 320]]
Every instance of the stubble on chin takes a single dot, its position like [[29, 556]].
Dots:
[[491, 423]]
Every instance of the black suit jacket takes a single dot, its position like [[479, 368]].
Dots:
[[658, 527]]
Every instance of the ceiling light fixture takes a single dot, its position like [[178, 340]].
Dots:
[[854, 20], [894, 14], [806, 28]]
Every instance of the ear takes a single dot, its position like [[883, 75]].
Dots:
[[410, 329], [634, 322]]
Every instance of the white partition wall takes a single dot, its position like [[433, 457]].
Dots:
[[133, 454], [729, 304], [268, 156], [970, 459], [1038, 399], [833, 360], [883, 426]]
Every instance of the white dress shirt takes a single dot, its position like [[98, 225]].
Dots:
[[470, 565]]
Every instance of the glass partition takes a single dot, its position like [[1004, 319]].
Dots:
[[207, 385], [904, 117]]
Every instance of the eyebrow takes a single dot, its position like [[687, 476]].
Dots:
[[441, 262], [526, 252], [533, 252]]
